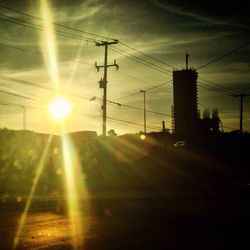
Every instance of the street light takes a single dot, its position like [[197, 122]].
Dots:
[[24, 116], [144, 97]]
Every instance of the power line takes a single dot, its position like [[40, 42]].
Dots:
[[34, 17], [126, 96], [199, 84], [125, 75], [135, 78], [148, 111], [218, 86], [39, 27], [84, 114], [117, 120], [118, 49], [214, 89], [133, 107], [20, 106], [24, 82], [80, 31], [18, 48], [229, 128], [225, 55], [88, 115], [131, 122], [56, 24], [37, 52], [16, 95], [63, 34], [16, 89], [33, 84], [93, 115], [11, 104], [137, 93], [142, 61], [158, 86], [151, 57], [228, 114]]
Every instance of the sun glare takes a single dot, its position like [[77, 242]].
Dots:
[[24, 215], [142, 137], [60, 108]]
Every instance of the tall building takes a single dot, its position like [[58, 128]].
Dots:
[[185, 108]]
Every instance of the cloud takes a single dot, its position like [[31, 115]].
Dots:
[[78, 12], [165, 31], [177, 10]]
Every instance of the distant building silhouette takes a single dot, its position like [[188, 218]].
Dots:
[[186, 116], [185, 102], [209, 124]]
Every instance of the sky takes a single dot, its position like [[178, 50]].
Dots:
[[41, 60]]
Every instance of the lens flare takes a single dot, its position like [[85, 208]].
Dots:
[[142, 137], [75, 64], [60, 108], [31, 194], [73, 186], [48, 43]]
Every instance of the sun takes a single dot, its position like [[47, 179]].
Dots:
[[60, 108]]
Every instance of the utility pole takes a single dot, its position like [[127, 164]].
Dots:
[[187, 55], [103, 82], [241, 95], [144, 101], [24, 117], [163, 127]]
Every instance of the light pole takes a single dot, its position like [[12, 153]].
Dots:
[[144, 97], [24, 117]]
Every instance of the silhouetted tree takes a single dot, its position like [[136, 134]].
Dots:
[[112, 132]]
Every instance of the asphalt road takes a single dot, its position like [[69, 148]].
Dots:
[[168, 220]]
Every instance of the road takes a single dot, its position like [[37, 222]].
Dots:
[[163, 220]]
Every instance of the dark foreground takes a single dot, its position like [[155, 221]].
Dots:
[[156, 220]]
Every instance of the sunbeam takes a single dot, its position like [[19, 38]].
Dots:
[[74, 187], [31, 194], [75, 64], [48, 43], [72, 167]]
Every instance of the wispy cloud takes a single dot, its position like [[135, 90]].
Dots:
[[177, 10], [82, 12]]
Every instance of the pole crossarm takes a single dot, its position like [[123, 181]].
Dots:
[[109, 65], [102, 43]]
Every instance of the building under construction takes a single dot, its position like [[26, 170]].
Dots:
[[186, 119], [185, 102]]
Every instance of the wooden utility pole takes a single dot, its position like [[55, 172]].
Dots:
[[144, 109], [163, 127], [103, 82], [241, 95], [187, 55]]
